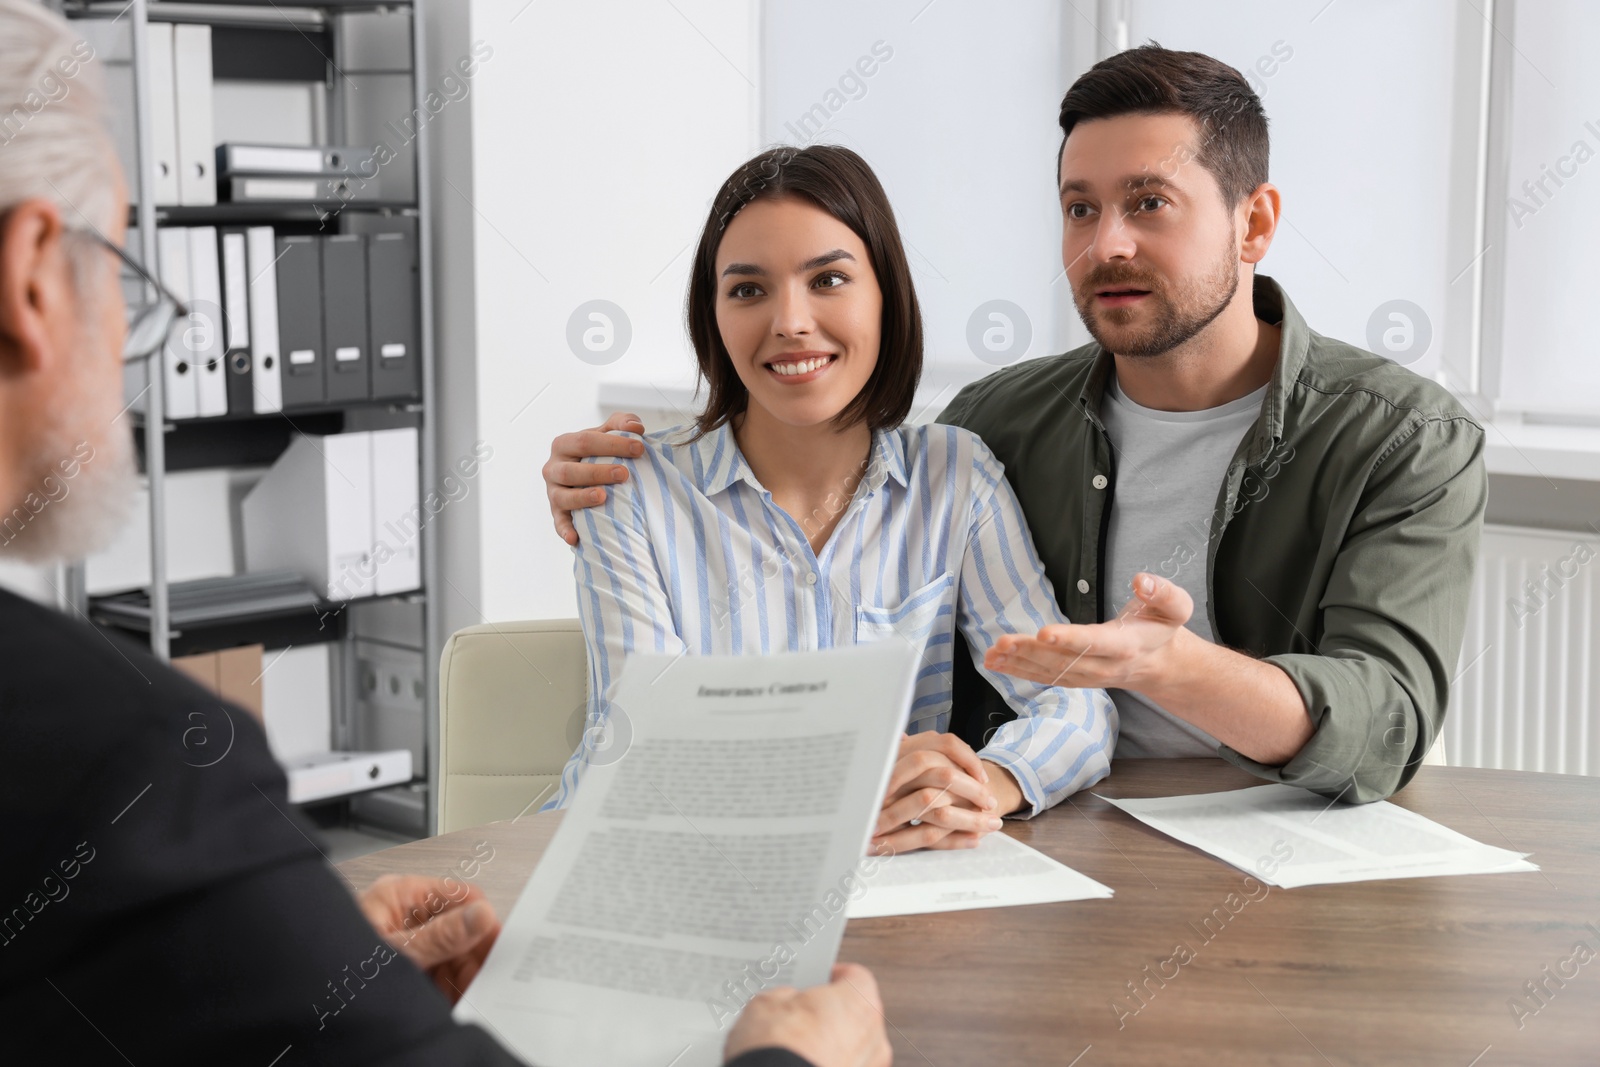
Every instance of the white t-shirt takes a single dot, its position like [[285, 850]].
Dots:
[[1170, 466]]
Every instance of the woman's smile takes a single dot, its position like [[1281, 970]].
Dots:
[[797, 368]]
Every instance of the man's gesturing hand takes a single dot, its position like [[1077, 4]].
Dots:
[[835, 1025], [447, 936], [568, 481], [1129, 652], [941, 783]]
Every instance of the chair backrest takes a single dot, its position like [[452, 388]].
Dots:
[[512, 697]]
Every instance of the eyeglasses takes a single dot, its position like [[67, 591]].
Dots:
[[149, 321]]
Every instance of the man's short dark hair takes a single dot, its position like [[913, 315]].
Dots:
[[1151, 80], [839, 182]]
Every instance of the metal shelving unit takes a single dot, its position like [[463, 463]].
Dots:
[[261, 39]]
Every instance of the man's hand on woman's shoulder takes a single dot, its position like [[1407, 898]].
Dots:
[[571, 484]]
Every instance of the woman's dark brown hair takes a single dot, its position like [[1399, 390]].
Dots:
[[839, 182]]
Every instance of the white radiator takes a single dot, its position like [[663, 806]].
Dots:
[[1528, 692]]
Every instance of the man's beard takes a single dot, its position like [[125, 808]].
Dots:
[[80, 471], [1177, 318]]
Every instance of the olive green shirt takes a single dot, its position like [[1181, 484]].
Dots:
[[1342, 546]]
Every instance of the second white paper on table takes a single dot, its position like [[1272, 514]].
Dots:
[[1001, 872], [1327, 841]]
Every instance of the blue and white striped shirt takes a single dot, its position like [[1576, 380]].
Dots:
[[691, 553]]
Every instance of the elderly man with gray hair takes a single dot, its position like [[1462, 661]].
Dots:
[[150, 910]]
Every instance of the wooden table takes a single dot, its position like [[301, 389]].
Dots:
[[1408, 971]]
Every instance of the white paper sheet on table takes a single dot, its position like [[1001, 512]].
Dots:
[[1290, 838], [734, 823], [1001, 872]]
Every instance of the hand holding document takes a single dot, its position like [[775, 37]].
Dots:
[[1290, 838], [1000, 872], [712, 859]]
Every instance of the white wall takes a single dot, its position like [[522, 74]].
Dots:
[[1360, 119], [959, 122], [599, 133], [1548, 360]]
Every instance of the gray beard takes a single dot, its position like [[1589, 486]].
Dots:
[[82, 478]]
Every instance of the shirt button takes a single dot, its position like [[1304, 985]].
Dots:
[[1099, 481], [811, 577], [1083, 585]]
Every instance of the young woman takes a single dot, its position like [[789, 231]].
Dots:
[[797, 512]]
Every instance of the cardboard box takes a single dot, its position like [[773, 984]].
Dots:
[[234, 674]]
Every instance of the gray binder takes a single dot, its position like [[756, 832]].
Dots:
[[392, 288], [344, 317], [300, 321]]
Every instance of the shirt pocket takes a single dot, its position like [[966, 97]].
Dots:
[[913, 619]]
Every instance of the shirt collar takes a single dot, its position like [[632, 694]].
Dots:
[[718, 462], [1272, 305], [889, 457]]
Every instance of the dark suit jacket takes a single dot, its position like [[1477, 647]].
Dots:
[[161, 901]]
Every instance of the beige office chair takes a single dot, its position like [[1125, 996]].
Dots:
[[512, 697]]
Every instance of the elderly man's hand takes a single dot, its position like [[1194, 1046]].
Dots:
[[835, 1025], [445, 927]]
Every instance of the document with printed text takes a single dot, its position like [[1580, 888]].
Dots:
[[1289, 838], [710, 854], [1001, 872]]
